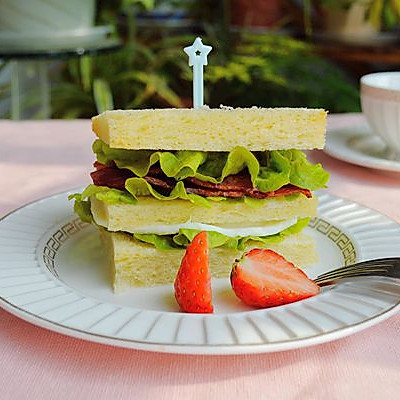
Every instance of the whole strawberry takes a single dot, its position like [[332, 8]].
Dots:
[[264, 278], [193, 281]]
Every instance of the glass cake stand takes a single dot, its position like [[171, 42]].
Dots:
[[30, 68]]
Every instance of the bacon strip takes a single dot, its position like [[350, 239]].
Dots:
[[256, 194], [161, 183], [239, 182], [111, 176], [234, 186]]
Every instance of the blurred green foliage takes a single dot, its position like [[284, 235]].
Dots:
[[244, 69], [138, 76], [270, 70]]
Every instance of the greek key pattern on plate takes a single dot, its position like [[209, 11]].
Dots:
[[338, 237], [56, 241]]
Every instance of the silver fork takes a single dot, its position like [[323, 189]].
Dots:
[[389, 267]]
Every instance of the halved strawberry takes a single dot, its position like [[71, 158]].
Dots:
[[264, 278], [193, 281]]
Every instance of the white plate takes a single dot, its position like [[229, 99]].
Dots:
[[55, 40], [358, 145], [53, 274]]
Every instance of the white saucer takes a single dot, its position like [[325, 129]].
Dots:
[[64, 39], [358, 145]]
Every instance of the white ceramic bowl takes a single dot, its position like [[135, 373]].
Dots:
[[380, 102]]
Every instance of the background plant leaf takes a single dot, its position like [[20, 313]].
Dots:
[[102, 95]]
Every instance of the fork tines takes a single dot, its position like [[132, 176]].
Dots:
[[381, 267]]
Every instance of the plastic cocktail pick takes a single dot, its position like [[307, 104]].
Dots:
[[197, 53]]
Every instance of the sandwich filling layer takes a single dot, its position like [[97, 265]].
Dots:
[[204, 179], [231, 230], [173, 236], [233, 186], [201, 177]]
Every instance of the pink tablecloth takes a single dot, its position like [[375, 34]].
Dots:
[[41, 158]]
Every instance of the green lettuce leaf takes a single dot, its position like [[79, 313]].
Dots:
[[178, 165], [276, 172], [106, 194], [82, 208], [216, 239], [306, 175], [140, 187], [269, 170], [160, 242], [218, 166], [102, 193]]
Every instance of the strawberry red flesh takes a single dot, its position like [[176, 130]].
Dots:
[[193, 281], [263, 278]]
